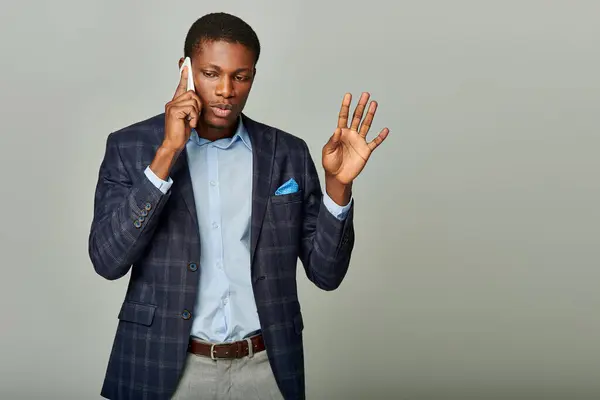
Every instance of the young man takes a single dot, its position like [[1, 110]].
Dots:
[[210, 210]]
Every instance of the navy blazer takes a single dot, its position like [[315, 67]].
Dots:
[[135, 226]]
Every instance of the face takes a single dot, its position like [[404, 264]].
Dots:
[[223, 75]]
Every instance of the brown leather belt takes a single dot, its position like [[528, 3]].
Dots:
[[227, 350]]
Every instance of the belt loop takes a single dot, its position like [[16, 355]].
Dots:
[[250, 348]]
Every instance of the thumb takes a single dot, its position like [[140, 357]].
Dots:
[[333, 142], [337, 135]]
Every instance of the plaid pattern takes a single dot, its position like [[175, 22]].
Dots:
[[136, 228]]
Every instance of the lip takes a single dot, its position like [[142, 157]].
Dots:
[[221, 113]]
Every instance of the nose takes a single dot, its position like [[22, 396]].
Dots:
[[225, 87]]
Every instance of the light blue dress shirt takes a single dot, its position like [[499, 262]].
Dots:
[[221, 173]]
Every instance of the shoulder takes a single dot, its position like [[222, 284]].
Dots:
[[291, 141], [147, 131], [285, 139]]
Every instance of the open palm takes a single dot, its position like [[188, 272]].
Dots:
[[347, 151]]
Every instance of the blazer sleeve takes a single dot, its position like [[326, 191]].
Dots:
[[126, 212], [327, 242]]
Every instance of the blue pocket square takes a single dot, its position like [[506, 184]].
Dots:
[[289, 187]]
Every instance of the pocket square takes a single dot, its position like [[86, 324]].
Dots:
[[289, 187]]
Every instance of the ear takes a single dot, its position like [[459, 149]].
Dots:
[[181, 60]]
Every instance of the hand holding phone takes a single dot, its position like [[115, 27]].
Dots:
[[183, 112]]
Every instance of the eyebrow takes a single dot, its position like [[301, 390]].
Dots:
[[243, 69]]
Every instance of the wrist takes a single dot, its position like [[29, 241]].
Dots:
[[339, 192], [169, 148], [163, 161]]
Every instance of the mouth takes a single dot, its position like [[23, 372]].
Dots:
[[222, 110]]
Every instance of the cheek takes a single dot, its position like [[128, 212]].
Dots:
[[204, 89], [243, 91], [202, 93]]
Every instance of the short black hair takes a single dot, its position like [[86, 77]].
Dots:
[[221, 27]]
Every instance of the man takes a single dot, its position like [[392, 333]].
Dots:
[[210, 211]]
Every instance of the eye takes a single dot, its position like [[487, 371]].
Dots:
[[241, 78], [209, 74]]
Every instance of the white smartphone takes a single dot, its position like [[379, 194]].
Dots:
[[190, 83]]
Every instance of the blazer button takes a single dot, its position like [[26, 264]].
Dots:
[[148, 206], [141, 218], [193, 267], [186, 314], [144, 213], [137, 223]]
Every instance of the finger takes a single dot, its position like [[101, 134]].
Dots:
[[359, 111], [344, 111], [188, 99], [186, 112], [189, 95], [337, 135], [334, 141], [366, 124], [182, 87], [185, 103], [373, 144]]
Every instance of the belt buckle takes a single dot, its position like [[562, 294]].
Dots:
[[212, 352], [250, 348]]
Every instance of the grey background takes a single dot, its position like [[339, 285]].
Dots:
[[475, 273]]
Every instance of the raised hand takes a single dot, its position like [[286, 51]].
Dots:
[[347, 151]]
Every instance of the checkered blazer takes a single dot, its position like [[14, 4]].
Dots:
[[135, 227]]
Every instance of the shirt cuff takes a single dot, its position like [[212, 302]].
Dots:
[[340, 212], [159, 183]]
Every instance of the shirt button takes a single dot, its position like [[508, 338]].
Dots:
[[193, 267], [186, 314], [225, 301], [215, 225], [219, 265], [213, 183]]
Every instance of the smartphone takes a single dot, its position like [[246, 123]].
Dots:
[[190, 83]]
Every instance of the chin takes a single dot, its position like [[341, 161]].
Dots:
[[221, 123]]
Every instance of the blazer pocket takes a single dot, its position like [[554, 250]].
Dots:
[[287, 198], [139, 313]]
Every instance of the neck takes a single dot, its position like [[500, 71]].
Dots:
[[212, 133]]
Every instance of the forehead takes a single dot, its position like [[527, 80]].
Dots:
[[225, 55]]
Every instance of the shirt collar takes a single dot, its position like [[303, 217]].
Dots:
[[240, 134]]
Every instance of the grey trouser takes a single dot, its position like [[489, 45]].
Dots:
[[245, 378]]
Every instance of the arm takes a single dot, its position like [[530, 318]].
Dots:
[[126, 213], [327, 240], [127, 208]]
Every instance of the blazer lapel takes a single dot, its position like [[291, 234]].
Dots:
[[263, 151], [263, 139], [181, 175]]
